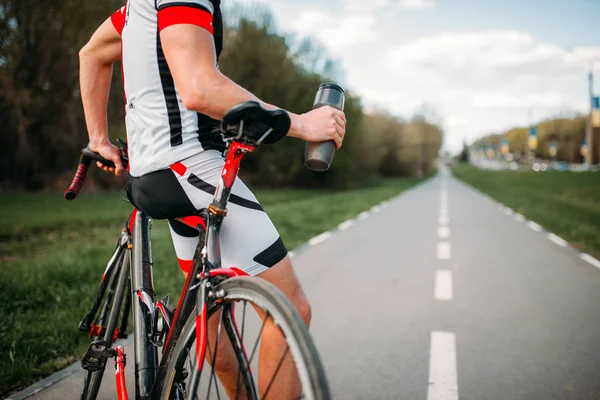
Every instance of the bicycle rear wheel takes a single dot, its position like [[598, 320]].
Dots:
[[107, 322], [236, 319]]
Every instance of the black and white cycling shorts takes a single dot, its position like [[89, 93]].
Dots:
[[249, 240]]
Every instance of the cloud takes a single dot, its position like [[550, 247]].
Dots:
[[336, 33], [417, 4], [491, 79]]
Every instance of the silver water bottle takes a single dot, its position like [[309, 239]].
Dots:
[[318, 156]]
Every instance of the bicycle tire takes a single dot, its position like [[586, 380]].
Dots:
[[268, 298], [110, 312]]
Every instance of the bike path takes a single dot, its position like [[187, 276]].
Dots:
[[522, 311]]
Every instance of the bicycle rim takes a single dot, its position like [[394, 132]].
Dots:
[[245, 295]]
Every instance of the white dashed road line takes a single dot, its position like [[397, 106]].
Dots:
[[443, 285], [519, 217], [534, 226], [363, 216], [443, 232], [345, 225], [591, 260], [443, 220], [443, 251], [443, 382], [319, 239], [557, 239]]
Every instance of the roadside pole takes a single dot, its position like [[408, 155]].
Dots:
[[553, 150], [532, 143], [589, 132]]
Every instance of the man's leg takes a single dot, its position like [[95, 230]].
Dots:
[[286, 384]]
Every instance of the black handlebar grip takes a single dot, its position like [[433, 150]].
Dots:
[[87, 156], [87, 153], [79, 179]]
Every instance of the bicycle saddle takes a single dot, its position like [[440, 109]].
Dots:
[[249, 122]]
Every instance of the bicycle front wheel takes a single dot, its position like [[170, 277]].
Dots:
[[248, 311]]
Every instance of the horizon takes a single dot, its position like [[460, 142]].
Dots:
[[483, 67]]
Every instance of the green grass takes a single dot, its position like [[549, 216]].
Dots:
[[566, 203], [53, 253]]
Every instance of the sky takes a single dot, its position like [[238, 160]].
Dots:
[[484, 66]]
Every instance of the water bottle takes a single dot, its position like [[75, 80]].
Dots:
[[318, 156]]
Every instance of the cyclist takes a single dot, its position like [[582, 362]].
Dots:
[[175, 96]]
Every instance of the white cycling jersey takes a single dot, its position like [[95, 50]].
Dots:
[[160, 130]]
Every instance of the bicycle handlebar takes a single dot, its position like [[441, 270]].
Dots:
[[86, 158]]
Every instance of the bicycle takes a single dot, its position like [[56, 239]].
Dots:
[[209, 290]]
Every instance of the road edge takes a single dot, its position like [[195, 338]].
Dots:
[[553, 237]]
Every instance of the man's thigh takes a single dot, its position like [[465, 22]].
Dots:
[[282, 275]]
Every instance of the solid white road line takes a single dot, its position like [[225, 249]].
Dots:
[[589, 259], [519, 217], [345, 225], [443, 382], [443, 232], [375, 209], [508, 211], [443, 285], [443, 251], [363, 216], [557, 239], [291, 254], [319, 239], [443, 220], [534, 226]]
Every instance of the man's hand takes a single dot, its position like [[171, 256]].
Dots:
[[322, 124], [110, 152]]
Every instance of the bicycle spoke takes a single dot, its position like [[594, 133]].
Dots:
[[275, 374], [237, 394], [258, 338], [214, 360]]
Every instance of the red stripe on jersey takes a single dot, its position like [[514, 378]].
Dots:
[[185, 15], [118, 20], [179, 168]]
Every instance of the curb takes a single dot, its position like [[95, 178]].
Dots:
[[322, 237], [557, 240]]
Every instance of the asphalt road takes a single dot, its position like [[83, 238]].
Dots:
[[441, 295]]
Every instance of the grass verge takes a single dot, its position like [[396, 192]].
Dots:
[[53, 253], [566, 203]]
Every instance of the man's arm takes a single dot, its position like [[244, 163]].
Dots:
[[96, 61], [190, 53]]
